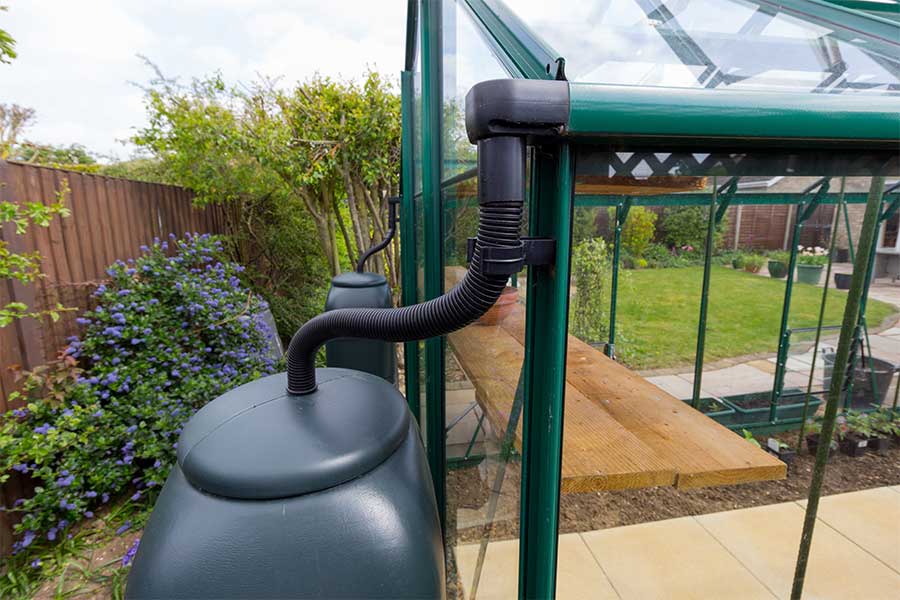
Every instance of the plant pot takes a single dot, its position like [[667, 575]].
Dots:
[[810, 274], [842, 281], [754, 408], [777, 269], [863, 395], [737, 263], [812, 443], [715, 409], [502, 308], [854, 445], [751, 268], [879, 444], [785, 455], [843, 255]]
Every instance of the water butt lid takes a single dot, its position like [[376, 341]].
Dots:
[[258, 442], [358, 280]]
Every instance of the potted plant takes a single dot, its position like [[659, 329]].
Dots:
[[885, 425], [753, 263], [814, 434], [737, 262], [810, 262], [854, 433], [748, 435], [502, 308], [784, 452], [842, 280], [778, 262]]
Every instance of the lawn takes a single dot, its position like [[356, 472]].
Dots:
[[658, 313]]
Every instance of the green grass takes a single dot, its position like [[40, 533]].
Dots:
[[658, 314]]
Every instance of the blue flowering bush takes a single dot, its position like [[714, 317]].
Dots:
[[171, 330]]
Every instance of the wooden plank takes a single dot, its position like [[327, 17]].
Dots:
[[72, 241], [85, 217], [598, 453], [135, 227], [105, 220], [117, 220], [701, 451], [28, 332], [168, 212]]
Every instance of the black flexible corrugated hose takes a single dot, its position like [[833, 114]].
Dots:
[[501, 194]]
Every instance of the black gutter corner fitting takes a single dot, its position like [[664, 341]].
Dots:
[[502, 117]]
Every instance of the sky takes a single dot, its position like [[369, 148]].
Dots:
[[78, 60]]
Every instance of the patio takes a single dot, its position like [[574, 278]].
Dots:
[[747, 553]]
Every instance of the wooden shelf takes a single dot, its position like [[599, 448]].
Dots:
[[620, 431]]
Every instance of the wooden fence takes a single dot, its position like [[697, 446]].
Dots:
[[111, 219]]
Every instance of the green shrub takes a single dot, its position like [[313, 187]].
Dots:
[[781, 256], [584, 225], [637, 231], [591, 269], [754, 262], [684, 227], [591, 276], [168, 334]]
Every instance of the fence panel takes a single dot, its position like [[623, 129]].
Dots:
[[111, 219]]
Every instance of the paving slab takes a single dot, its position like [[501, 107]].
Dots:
[[892, 332], [871, 518], [675, 385], [578, 575], [887, 348], [676, 558], [765, 540], [458, 402], [739, 379], [766, 365]]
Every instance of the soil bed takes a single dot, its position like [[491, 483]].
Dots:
[[602, 510]]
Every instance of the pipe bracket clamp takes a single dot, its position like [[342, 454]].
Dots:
[[508, 260]]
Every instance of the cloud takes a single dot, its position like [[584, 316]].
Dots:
[[77, 59]]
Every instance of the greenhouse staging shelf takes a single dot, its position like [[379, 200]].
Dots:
[[620, 431]]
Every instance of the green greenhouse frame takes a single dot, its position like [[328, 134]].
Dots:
[[712, 127]]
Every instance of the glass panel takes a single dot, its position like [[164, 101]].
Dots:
[[483, 360], [724, 44], [658, 301], [419, 219], [467, 60]]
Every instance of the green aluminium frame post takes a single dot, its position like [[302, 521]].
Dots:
[[432, 102], [841, 359], [812, 369], [716, 213], [544, 372], [862, 327], [622, 208], [804, 212], [408, 233]]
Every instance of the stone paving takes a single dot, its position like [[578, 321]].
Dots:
[[746, 553]]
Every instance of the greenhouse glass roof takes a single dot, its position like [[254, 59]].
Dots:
[[728, 71], [721, 44]]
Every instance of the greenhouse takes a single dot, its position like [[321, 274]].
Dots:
[[601, 111]]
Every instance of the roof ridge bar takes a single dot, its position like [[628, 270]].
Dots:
[[521, 49]]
